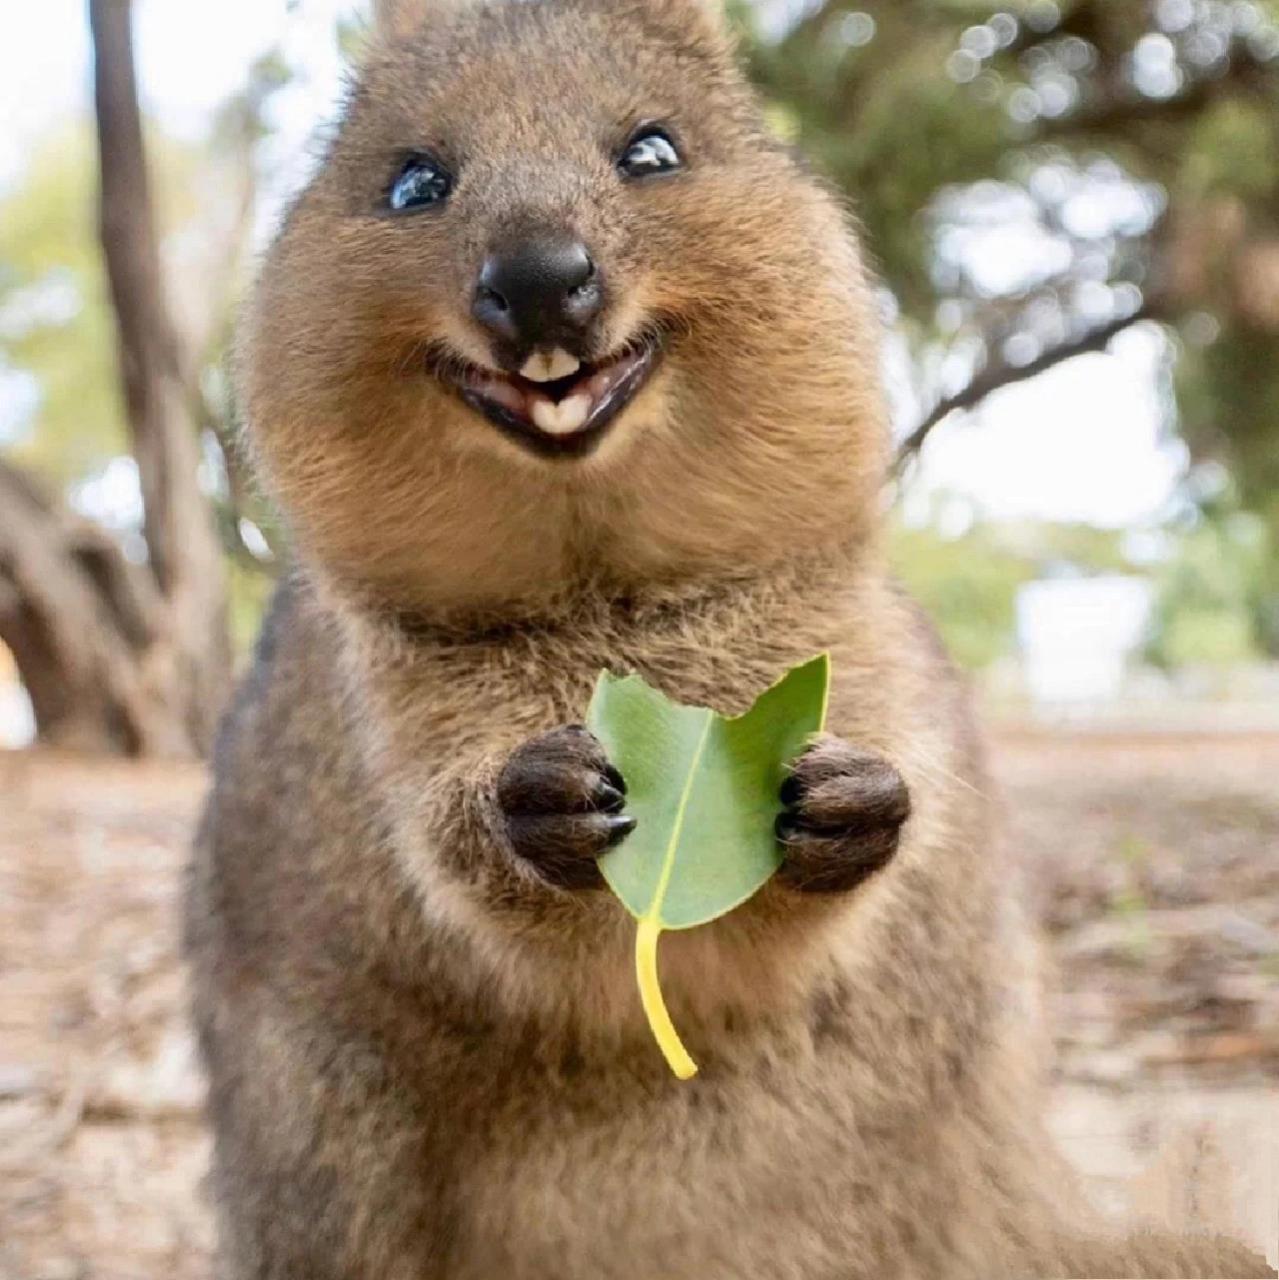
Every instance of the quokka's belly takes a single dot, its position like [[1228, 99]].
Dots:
[[697, 1182]]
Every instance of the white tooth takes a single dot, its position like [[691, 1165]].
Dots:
[[536, 367], [561, 419], [541, 367], [561, 364]]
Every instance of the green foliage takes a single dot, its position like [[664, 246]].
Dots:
[[968, 585], [1210, 593], [1192, 635], [704, 792], [1230, 396], [58, 324], [1234, 151], [885, 122], [911, 105], [249, 591]]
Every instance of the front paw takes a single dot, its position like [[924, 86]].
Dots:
[[844, 812], [561, 802]]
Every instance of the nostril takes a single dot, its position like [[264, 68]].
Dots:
[[586, 286], [489, 305], [487, 297]]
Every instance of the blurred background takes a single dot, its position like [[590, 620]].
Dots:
[[1073, 208]]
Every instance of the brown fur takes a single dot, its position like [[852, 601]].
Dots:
[[427, 1057]]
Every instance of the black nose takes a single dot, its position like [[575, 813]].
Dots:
[[539, 293]]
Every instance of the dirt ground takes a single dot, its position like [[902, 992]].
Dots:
[[1152, 863]]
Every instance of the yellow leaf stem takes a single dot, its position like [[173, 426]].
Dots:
[[659, 1019]]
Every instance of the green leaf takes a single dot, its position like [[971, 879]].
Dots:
[[703, 789]]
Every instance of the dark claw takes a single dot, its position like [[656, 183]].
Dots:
[[619, 827], [607, 798], [792, 790], [562, 802], [787, 827]]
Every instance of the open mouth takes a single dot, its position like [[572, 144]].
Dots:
[[562, 416]]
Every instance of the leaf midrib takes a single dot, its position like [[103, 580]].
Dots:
[[654, 911]]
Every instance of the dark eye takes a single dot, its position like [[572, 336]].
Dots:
[[421, 181], [649, 151]]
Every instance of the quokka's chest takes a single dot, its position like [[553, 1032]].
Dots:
[[547, 677]]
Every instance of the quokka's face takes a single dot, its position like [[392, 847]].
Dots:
[[527, 199], [558, 305], [529, 203]]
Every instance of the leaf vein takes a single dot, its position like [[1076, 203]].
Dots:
[[677, 827]]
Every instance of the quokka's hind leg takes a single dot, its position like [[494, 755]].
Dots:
[[321, 1165]]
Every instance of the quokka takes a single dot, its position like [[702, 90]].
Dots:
[[562, 362]]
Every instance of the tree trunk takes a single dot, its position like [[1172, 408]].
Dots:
[[119, 656], [87, 629], [184, 555]]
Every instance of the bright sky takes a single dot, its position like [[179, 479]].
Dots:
[[1079, 443], [190, 57]]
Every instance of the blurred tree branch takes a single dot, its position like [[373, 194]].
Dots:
[[1244, 75], [1000, 373], [87, 628]]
